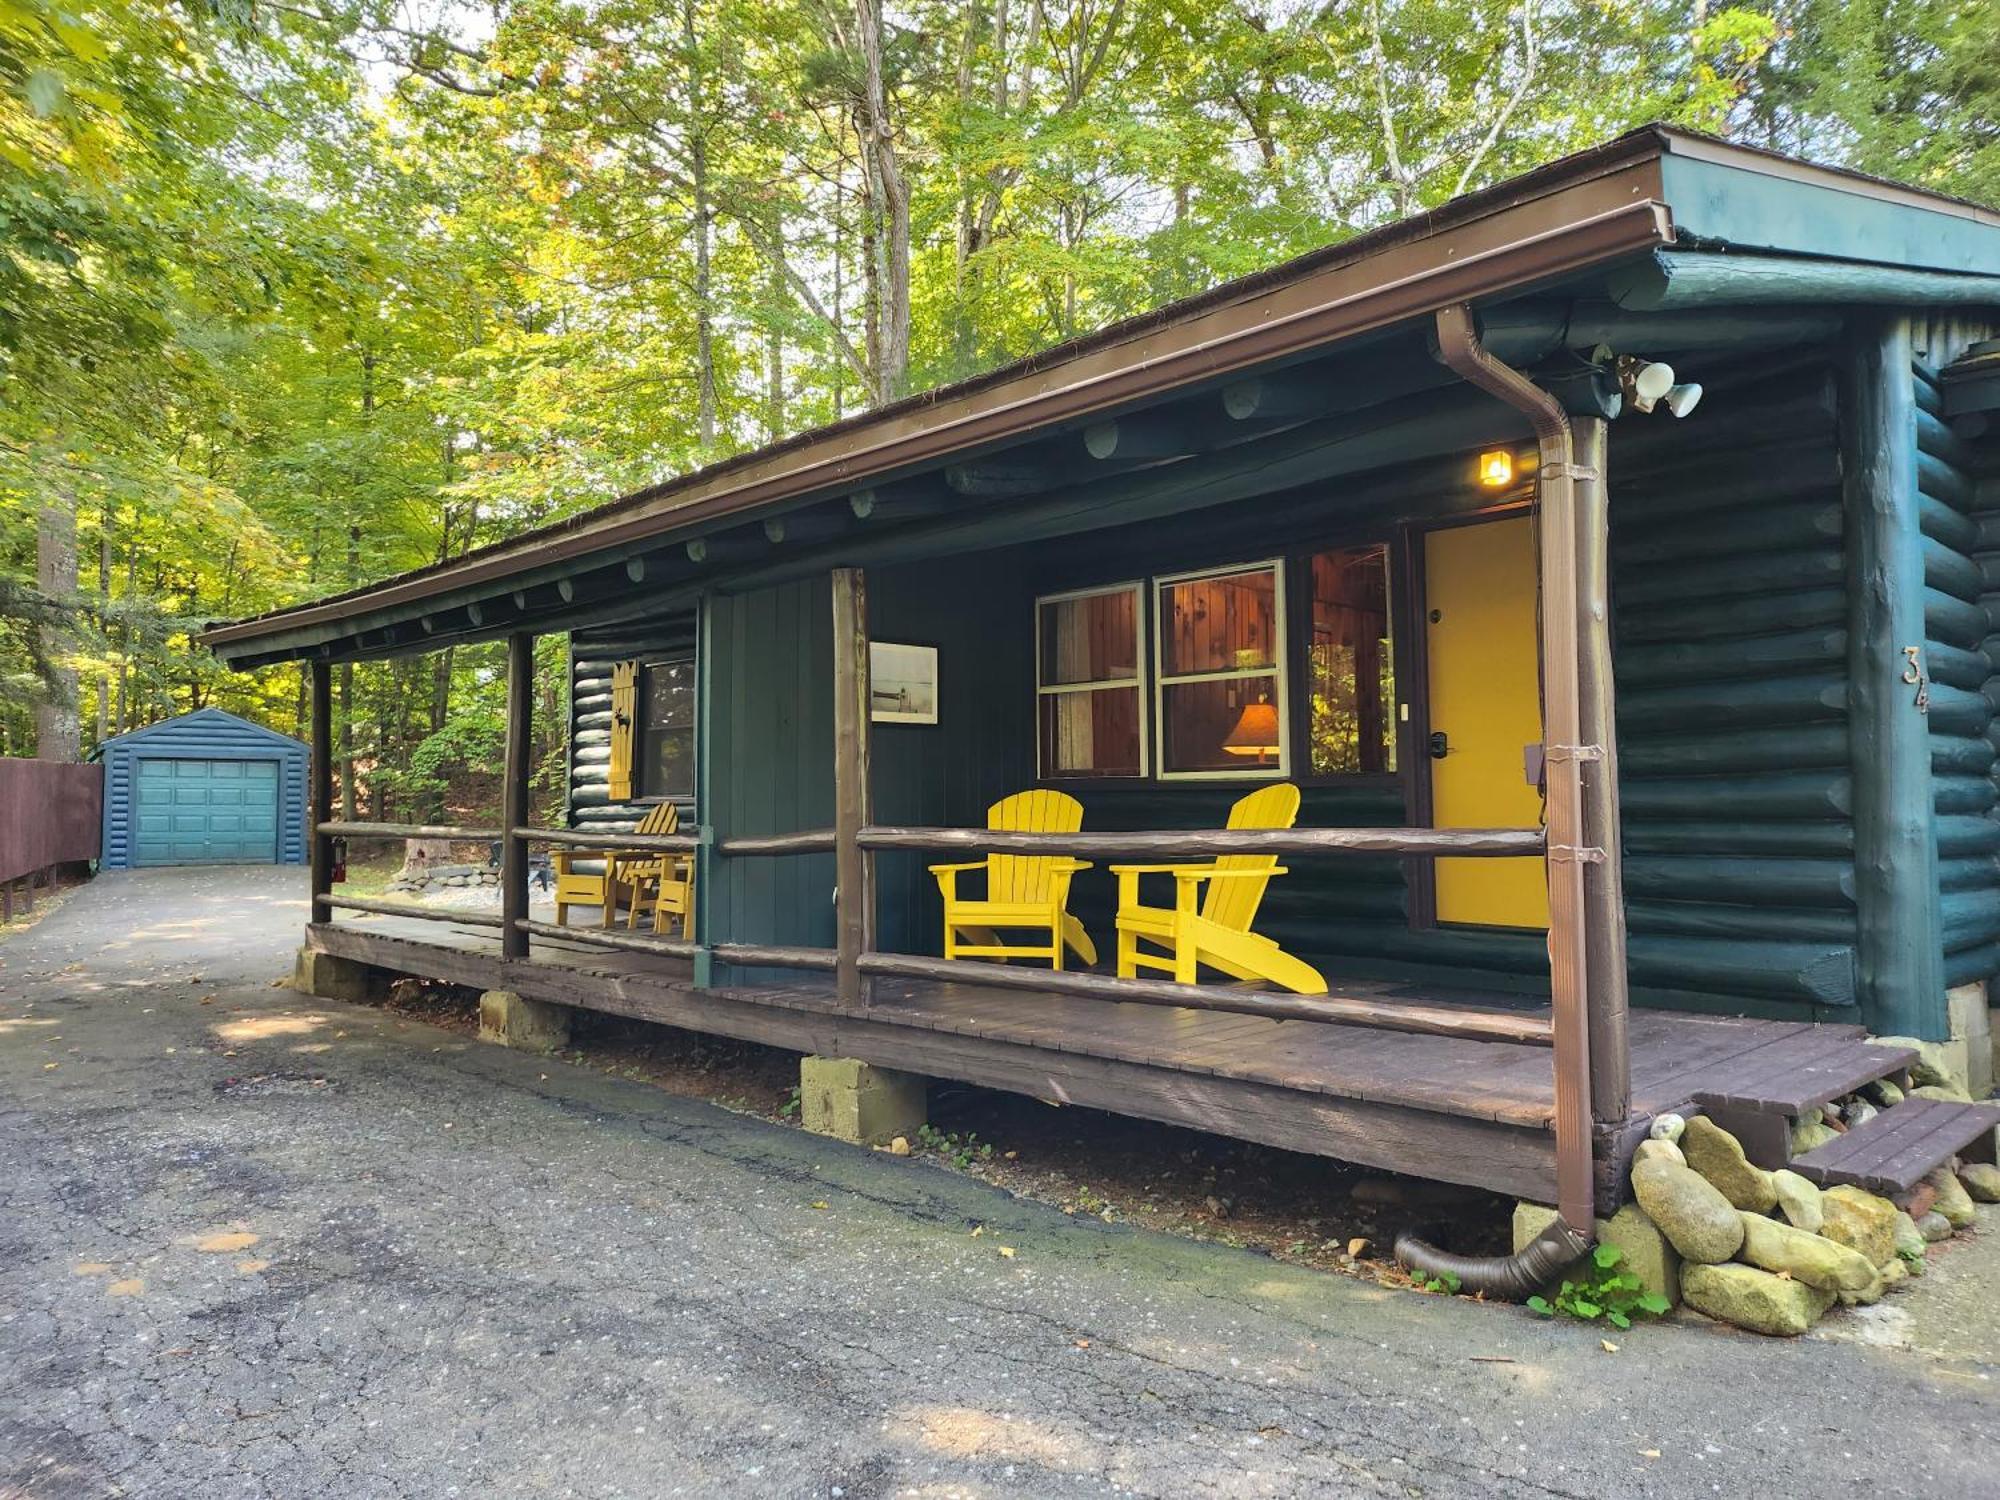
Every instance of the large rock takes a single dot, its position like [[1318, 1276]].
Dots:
[[1952, 1199], [1718, 1156], [1772, 1246], [1647, 1253], [1800, 1201], [1810, 1135], [1658, 1150], [1910, 1242], [1754, 1299], [1936, 1062], [1689, 1210], [1981, 1180], [1886, 1091], [1949, 1093], [1934, 1227], [1861, 1221]]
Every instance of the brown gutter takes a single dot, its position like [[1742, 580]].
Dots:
[[1429, 272], [1562, 721]]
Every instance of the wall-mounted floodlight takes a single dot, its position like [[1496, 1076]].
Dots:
[[1496, 468], [1683, 398], [1644, 381]]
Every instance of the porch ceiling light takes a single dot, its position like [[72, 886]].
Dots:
[[1496, 468]]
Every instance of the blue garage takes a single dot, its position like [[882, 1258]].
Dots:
[[207, 788]]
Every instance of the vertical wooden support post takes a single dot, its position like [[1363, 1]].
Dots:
[[854, 899], [319, 792], [708, 902], [519, 759], [1603, 877], [1901, 957], [1562, 767]]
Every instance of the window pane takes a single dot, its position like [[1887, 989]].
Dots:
[[1224, 623], [666, 729], [1228, 724], [1092, 639], [1090, 732], [669, 694], [1352, 663], [669, 765]]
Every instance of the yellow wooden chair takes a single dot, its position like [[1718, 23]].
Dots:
[[1214, 929], [670, 878], [596, 886], [1024, 892]]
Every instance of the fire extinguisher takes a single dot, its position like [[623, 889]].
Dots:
[[339, 860]]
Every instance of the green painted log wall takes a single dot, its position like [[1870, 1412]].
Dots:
[[1731, 613], [1962, 522], [592, 655], [1731, 656]]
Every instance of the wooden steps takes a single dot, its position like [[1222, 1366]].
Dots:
[[1890, 1153], [1798, 1077]]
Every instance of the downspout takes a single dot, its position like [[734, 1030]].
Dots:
[[1573, 1230]]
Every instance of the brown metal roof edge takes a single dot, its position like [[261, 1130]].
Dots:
[[597, 527], [1635, 146]]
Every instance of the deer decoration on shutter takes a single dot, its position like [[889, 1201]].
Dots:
[[624, 713]]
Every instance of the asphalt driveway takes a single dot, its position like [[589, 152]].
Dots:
[[258, 1244]]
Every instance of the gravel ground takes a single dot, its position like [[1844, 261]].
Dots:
[[253, 1243]]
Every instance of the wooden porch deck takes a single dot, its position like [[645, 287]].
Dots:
[[1451, 1109]]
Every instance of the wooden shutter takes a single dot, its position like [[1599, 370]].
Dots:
[[624, 731]]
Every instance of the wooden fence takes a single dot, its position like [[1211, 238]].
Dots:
[[50, 814]]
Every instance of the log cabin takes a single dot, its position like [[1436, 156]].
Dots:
[[1611, 557]]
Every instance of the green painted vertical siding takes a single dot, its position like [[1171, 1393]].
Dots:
[[768, 753], [769, 740], [1961, 524], [1729, 605], [976, 611]]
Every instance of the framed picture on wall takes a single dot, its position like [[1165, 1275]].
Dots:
[[902, 683]]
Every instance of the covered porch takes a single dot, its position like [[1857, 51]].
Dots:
[[1462, 1108], [1430, 408]]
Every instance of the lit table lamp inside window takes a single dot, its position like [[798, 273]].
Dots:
[[1256, 732]]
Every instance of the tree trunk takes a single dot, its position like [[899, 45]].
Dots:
[[704, 231], [58, 736], [890, 201], [104, 621], [347, 692], [774, 334]]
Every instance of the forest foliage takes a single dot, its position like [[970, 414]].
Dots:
[[295, 294]]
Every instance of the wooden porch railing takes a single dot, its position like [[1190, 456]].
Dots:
[[1574, 642]]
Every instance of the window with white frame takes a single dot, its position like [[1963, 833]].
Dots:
[[1090, 709], [1219, 679]]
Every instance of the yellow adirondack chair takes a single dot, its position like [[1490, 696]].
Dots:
[[1215, 929], [670, 877], [576, 886], [1023, 891]]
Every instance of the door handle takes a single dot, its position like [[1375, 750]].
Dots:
[[1440, 746]]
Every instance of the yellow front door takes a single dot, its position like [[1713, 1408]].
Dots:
[[1485, 699]]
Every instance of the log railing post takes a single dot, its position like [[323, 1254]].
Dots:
[[319, 792], [1603, 875], [514, 794], [854, 893]]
